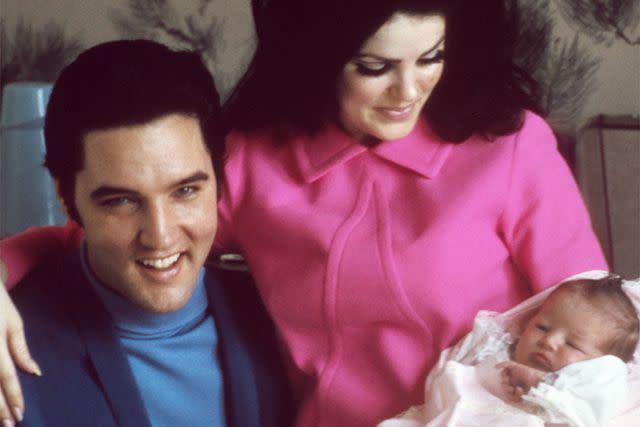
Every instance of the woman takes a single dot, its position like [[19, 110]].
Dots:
[[384, 182]]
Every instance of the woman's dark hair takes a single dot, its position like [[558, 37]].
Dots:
[[125, 83], [292, 81], [610, 299]]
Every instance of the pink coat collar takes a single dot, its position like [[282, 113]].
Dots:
[[421, 151]]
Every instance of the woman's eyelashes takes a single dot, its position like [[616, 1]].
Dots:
[[432, 58], [372, 69], [379, 68]]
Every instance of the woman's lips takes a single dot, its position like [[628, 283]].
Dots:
[[396, 114]]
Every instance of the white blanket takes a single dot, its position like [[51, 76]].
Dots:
[[463, 389]]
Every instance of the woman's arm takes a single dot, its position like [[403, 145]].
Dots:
[[20, 254], [13, 349], [546, 224]]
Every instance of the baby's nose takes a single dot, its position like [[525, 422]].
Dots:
[[550, 340]]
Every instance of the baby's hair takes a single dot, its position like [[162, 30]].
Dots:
[[608, 298]]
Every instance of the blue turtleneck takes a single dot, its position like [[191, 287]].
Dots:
[[173, 356]]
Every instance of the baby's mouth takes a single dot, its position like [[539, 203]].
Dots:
[[540, 361]]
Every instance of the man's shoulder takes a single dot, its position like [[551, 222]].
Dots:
[[42, 296], [44, 279], [246, 328], [80, 358], [239, 295]]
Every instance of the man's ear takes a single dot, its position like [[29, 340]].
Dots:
[[60, 199]]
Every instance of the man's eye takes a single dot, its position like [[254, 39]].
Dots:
[[187, 190], [115, 202], [372, 69], [542, 327]]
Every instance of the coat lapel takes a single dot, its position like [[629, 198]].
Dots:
[[105, 352], [241, 394]]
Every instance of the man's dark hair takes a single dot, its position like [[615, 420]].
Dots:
[[125, 83], [608, 296], [292, 81]]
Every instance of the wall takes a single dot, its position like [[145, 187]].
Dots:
[[617, 86], [617, 90], [618, 81], [91, 21]]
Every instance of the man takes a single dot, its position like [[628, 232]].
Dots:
[[131, 330]]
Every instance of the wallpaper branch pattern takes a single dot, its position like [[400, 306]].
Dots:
[[604, 21], [564, 67], [159, 20], [35, 54], [200, 31]]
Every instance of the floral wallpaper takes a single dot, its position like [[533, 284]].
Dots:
[[565, 65]]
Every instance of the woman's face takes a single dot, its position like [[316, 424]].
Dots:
[[385, 85]]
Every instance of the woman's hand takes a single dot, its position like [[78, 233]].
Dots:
[[13, 349]]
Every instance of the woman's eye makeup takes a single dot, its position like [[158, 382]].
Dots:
[[432, 58], [372, 69], [380, 67]]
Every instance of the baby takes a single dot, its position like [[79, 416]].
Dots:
[[563, 362], [580, 320]]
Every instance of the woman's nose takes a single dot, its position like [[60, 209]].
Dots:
[[407, 86]]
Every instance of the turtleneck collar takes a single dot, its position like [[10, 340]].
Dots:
[[132, 321]]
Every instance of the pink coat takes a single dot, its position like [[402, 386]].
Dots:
[[373, 260]]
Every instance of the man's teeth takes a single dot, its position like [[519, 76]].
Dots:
[[161, 263]]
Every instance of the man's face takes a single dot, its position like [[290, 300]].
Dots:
[[147, 200]]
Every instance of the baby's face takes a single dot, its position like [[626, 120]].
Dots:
[[565, 330]]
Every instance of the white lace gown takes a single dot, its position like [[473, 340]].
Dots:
[[463, 390]]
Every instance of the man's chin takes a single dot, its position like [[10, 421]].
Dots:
[[163, 302], [163, 308]]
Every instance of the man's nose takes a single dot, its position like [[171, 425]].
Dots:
[[158, 227]]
